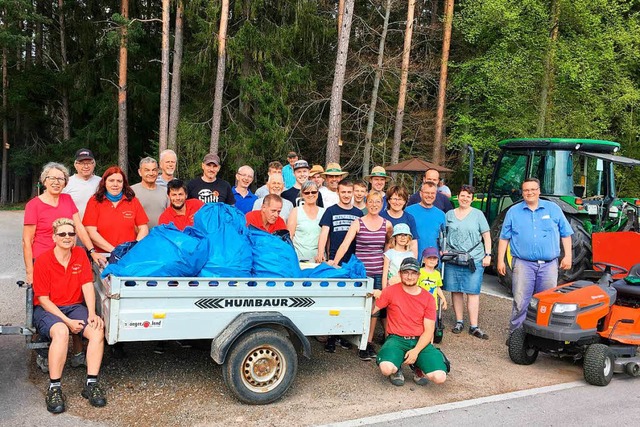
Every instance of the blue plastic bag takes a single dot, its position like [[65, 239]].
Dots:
[[272, 256], [353, 269], [165, 252], [228, 248]]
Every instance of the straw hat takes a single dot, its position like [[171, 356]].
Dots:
[[315, 170], [378, 171], [334, 169]]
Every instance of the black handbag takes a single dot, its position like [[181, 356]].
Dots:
[[461, 258]]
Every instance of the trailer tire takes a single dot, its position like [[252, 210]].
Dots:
[[598, 365], [261, 366], [520, 352]]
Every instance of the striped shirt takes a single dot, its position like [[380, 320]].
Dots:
[[370, 247]]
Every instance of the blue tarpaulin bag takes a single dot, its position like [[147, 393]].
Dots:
[[165, 252], [353, 269], [272, 255], [228, 248]]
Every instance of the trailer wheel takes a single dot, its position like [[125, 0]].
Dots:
[[260, 366], [598, 365], [520, 352]]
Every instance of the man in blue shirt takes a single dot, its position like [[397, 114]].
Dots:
[[244, 197], [428, 218], [287, 171], [534, 228], [441, 201]]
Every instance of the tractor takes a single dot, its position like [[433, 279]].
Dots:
[[577, 175]]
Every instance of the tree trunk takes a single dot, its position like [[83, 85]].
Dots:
[[66, 126], [216, 119], [374, 94], [164, 83], [335, 110], [397, 132], [176, 81], [39, 35], [123, 158], [340, 15], [5, 128], [548, 73], [438, 146], [434, 12]]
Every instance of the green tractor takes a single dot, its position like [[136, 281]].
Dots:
[[577, 175]]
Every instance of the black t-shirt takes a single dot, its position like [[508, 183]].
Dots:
[[339, 220], [210, 192], [293, 195]]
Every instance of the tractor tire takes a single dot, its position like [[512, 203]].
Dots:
[[598, 365], [261, 366], [520, 352], [496, 227], [582, 252]]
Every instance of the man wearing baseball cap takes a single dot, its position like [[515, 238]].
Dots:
[[83, 184], [301, 172], [209, 188], [411, 316]]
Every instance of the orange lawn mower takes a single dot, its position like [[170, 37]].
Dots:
[[598, 323]]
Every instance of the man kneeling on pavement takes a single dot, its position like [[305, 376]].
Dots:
[[411, 315], [65, 302]]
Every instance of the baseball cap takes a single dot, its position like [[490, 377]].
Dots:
[[211, 158], [430, 252], [401, 228], [300, 164], [409, 263], [84, 154]]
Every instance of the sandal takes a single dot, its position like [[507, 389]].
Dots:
[[477, 332], [458, 328]]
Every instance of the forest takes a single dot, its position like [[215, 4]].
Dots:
[[362, 82]]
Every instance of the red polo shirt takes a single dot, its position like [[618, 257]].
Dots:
[[181, 221], [62, 285], [116, 224], [255, 218]]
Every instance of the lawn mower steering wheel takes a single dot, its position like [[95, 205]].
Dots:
[[614, 269]]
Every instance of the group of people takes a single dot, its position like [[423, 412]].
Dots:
[[329, 218]]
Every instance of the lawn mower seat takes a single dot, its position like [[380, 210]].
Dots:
[[630, 286]]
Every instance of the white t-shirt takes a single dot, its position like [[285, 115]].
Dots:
[[153, 201], [329, 198], [81, 191]]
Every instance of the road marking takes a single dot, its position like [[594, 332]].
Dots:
[[408, 413]]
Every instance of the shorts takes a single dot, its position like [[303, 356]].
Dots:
[[394, 348], [44, 321], [458, 278], [377, 284]]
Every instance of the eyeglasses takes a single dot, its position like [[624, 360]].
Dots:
[[530, 190], [306, 193], [396, 199], [244, 175], [66, 233], [55, 179]]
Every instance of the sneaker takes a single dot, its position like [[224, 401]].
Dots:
[[55, 400], [372, 351], [330, 346], [478, 333], [78, 360], [458, 328], [43, 363], [364, 355], [95, 394], [419, 377], [344, 343], [397, 379]]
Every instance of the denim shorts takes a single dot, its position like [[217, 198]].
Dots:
[[458, 278], [44, 321], [377, 284]]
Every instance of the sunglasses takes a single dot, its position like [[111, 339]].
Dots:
[[306, 193], [65, 234]]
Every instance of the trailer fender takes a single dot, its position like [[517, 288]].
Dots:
[[244, 322]]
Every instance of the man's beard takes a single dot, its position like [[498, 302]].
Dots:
[[176, 207]]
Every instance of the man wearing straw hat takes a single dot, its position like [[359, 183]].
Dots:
[[333, 174], [378, 179]]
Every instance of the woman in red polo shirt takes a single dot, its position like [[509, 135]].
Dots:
[[114, 215]]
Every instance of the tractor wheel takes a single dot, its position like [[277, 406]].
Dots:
[[582, 252], [496, 227], [520, 352], [598, 365]]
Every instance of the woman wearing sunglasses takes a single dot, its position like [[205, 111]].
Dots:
[[42, 210], [65, 302], [304, 223]]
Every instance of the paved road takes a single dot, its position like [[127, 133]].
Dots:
[[572, 404]]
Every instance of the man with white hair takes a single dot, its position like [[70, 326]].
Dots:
[[153, 197], [168, 163], [244, 197], [275, 185]]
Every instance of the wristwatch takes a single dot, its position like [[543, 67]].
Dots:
[[487, 254], [92, 250]]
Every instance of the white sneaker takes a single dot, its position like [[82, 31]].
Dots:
[[78, 360]]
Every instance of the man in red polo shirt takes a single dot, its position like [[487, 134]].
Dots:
[[181, 210], [268, 217]]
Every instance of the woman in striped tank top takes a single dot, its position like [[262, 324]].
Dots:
[[371, 233]]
